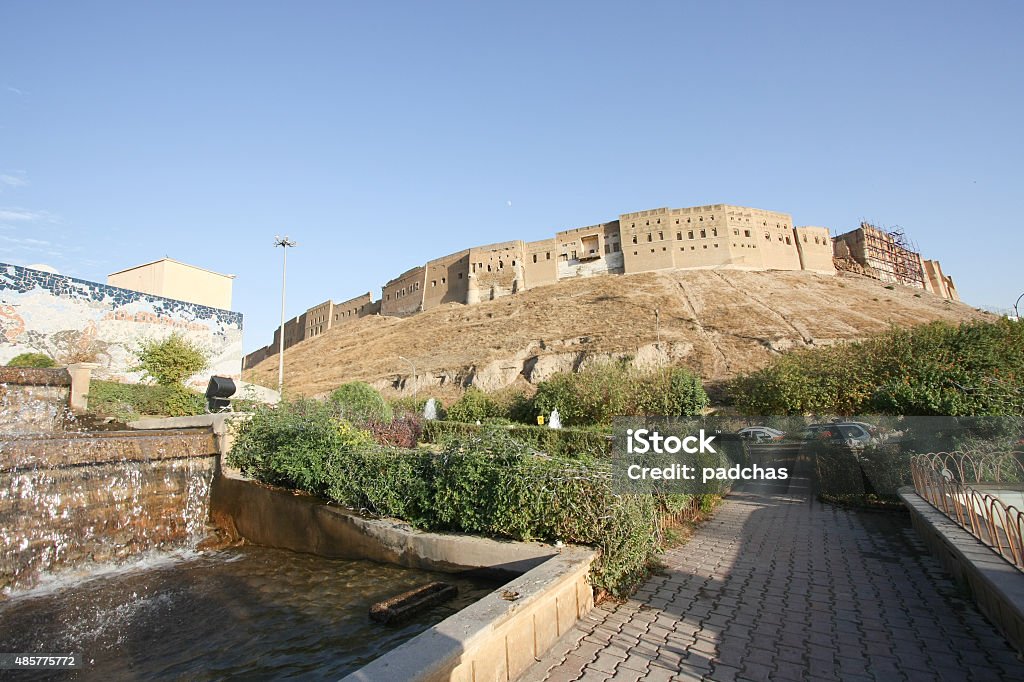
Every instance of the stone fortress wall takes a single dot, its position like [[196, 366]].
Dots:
[[714, 236]]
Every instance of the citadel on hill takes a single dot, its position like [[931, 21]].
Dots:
[[715, 236]]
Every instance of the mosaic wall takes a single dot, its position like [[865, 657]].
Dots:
[[73, 320]]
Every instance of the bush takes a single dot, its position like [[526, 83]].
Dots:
[[32, 360], [473, 406], [592, 396], [935, 369], [127, 402], [170, 361], [401, 432], [484, 481], [359, 403], [599, 392], [296, 444], [566, 442], [415, 405], [669, 392]]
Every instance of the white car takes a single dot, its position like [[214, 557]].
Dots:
[[760, 434]]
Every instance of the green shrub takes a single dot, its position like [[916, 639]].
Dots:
[[512, 404], [32, 360], [600, 392], [298, 444], [481, 481], [358, 402], [415, 404], [592, 396], [935, 369], [473, 406], [668, 392], [171, 360], [127, 402], [567, 442]]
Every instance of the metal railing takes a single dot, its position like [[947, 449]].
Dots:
[[955, 483]]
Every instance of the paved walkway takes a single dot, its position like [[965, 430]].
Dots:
[[779, 587]]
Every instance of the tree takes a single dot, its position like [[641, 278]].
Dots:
[[170, 361]]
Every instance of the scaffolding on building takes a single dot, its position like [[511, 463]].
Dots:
[[893, 254]]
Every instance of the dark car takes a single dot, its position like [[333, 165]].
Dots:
[[853, 434]]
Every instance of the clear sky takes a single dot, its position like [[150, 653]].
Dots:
[[380, 135]]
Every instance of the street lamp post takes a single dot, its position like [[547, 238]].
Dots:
[[413, 365], [1016, 311], [284, 243]]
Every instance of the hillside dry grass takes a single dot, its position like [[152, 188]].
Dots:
[[719, 323]]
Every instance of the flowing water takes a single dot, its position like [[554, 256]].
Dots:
[[83, 499], [98, 538], [244, 613]]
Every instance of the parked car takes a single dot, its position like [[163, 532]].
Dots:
[[760, 434], [853, 434]]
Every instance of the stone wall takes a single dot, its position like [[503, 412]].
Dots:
[[318, 319], [33, 400], [96, 498], [75, 320], [354, 308], [540, 258]]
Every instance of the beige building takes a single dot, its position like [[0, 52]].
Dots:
[[446, 280], [496, 270], [714, 236], [318, 319], [354, 308], [172, 279], [403, 296], [814, 246]]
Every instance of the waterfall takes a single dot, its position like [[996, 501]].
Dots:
[[77, 499]]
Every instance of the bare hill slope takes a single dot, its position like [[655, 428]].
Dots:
[[718, 322]]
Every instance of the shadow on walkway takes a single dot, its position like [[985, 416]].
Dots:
[[778, 586]]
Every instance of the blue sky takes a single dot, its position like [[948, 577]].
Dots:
[[380, 135]]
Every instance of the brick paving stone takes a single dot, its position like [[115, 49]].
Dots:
[[777, 586]]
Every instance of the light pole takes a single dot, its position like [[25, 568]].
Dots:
[[1016, 312], [413, 365], [284, 243]]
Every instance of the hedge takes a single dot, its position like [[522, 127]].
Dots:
[[481, 481], [566, 442], [129, 401], [934, 369]]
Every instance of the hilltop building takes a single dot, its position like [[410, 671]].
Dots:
[[713, 236], [889, 256]]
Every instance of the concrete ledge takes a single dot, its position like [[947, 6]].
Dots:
[[276, 517], [996, 585], [33, 376], [220, 423], [70, 450], [496, 638]]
